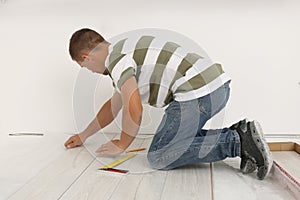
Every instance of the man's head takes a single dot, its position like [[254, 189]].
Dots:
[[89, 49]]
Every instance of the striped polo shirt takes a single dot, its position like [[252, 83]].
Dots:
[[164, 70]]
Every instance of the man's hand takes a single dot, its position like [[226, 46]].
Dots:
[[112, 148], [74, 141]]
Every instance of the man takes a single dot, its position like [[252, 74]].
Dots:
[[147, 68]]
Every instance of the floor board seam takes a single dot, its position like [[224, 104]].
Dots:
[[137, 188], [76, 179], [162, 191], [212, 181], [142, 176], [84, 170], [32, 178], [115, 188], [124, 177], [79, 176]]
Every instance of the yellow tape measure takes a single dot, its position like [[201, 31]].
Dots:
[[119, 161]]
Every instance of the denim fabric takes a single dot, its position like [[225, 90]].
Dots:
[[180, 139]]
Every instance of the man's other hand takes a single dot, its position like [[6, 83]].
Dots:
[[74, 141], [112, 148]]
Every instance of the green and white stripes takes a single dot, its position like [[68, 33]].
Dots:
[[164, 70], [115, 56], [201, 79], [187, 62], [160, 65], [140, 52]]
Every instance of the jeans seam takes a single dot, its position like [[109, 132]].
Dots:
[[165, 134]]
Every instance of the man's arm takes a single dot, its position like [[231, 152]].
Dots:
[[105, 116], [132, 112], [131, 119]]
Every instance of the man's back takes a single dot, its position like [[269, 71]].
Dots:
[[165, 67]]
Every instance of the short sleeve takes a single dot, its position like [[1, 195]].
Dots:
[[122, 71]]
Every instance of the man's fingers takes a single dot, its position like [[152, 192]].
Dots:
[[102, 152], [68, 142], [73, 144], [101, 149], [70, 145], [73, 141]]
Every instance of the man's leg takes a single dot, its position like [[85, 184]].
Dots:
[[178, 140]]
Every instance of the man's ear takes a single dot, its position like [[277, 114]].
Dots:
[[85, 57]]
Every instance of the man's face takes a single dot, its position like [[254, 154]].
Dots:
[[95, 59]]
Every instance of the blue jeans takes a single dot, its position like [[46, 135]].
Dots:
[[180, 138]]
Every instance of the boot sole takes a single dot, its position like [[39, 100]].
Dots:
[[250, 165], [260, 142]]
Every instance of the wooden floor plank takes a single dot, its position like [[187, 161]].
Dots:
[[189, 182], [93, 184], [134, 186], [96, 184], [151, 185], [55, 179], [230, 183], [23, 157], [73, 174]]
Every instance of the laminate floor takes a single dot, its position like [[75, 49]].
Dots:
[[34, 167]]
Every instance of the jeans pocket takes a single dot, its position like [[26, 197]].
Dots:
[[204, 107], [214, 102]]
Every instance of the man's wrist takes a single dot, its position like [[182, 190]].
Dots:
[[123, 145], [83, 136], [125, 140]]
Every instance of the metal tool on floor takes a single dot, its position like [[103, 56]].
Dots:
[[26, 134]]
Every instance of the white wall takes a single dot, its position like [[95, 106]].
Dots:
[[257, 42]]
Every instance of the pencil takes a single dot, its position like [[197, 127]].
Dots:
[[135, 150]]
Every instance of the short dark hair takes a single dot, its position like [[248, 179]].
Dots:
[[83, 40]]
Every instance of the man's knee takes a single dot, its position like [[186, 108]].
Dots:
[[155, 160]]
